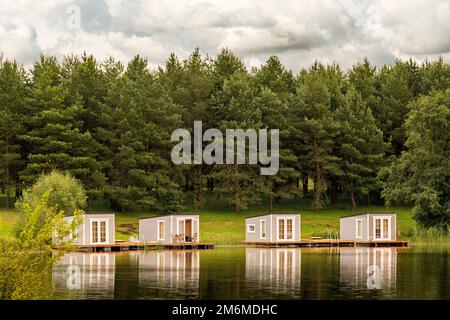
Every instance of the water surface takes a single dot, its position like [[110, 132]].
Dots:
[[257, 273]]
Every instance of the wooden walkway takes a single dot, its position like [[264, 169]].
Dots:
[[129, 246], [310, 243]]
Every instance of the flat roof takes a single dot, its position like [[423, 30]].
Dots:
[[364, 213], [269, 213], [170, 215], [88, 213]]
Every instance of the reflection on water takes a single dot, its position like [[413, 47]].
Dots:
[[256, 273], [368, 268], [277, 271], [170, 274], [86, 275]]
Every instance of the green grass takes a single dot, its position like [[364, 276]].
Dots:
[[220, 225]]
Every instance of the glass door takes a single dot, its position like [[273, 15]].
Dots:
[[98, 231], [382, 228], [285, 229]]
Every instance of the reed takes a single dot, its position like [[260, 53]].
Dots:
[[427, 236]]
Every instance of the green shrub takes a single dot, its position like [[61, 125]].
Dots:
[[67, 193]]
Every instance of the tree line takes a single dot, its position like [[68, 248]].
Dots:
[[346, 133]]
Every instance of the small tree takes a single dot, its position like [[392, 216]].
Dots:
[[67, 194], [26, 264]]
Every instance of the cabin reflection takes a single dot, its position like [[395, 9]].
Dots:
[[274, 270], [170, 273], [368, 268], [85, 275]]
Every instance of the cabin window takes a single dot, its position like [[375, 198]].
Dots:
[[288, 228], [195, 226], [181, 227], [358, 228], [281, 229], [103, 231], [263, 229], [251, 228], [385, 229], [377, 228], [161, 229], [94, 231]]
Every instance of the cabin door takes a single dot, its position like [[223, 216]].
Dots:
[[285, 228], [381, 228], [99, 231], [188, 230]]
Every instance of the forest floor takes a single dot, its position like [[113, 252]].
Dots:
[[221, 226]]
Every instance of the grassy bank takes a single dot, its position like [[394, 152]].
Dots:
[[428, 236], [221, 226], [225, 227]]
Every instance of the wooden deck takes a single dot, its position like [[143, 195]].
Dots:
[[311, 243], [129, 246]]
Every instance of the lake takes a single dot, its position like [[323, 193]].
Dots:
[[420, 272]]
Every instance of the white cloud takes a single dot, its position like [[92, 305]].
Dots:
[[299, 32]]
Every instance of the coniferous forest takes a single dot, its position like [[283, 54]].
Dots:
[[364, 135]]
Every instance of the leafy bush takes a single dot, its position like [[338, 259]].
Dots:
[[67, 193]]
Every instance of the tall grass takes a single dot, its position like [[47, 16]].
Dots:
[[427, 236]]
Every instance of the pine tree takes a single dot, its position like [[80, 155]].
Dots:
[[224, 66], [235, 105], [13, 106], [360, 147], [435, 75], [398, 85], [275, 93], [314, 130], [363, 78], [86, 86], [53, 137], [190, 87], [144, 117]]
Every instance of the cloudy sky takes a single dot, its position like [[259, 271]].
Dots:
[[299, 32]]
